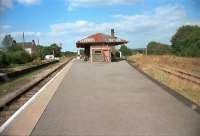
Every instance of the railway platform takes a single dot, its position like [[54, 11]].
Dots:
[[103, 100]]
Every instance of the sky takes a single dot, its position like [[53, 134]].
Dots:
[[66, 21]]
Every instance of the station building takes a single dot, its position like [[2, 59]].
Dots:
[[100, 47]]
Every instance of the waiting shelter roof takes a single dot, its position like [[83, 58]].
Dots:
[[100, 38]]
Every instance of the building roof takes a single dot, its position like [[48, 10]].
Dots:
[[28, 45], [100, 38]]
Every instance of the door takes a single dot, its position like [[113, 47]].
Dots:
[[98, 55], [106, 54]]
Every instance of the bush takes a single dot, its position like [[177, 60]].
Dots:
[[14, 48], [157, 48], [125, 50], [37, 61], [19, 57], [4, 60], [35, 56]]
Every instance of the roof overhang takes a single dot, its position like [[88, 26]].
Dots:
[[85, 44]]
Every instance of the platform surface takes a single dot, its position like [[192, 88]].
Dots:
[[114, 100]]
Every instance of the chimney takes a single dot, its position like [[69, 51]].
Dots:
[[112, 33], [33, 42]]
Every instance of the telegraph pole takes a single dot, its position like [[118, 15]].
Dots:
[[146, 49], [23, 39], [53, 53], [38, 42]]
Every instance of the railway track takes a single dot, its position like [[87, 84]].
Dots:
[[7, 111], [175, 72], [180, 74]]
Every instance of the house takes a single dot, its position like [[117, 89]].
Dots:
[[100, 47], [30, 47]]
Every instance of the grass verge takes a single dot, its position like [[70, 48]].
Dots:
[[20, 81], [187, 89]]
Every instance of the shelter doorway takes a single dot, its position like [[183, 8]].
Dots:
[[100, 54], [106, 54]]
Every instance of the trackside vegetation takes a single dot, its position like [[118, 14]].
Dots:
[[12, 53], [185, 42]]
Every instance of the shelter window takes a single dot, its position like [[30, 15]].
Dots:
[[97, 52]]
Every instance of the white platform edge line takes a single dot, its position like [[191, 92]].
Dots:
[[6, 124]]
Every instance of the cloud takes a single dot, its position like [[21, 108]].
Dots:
[[139, 29], [86, 3], [5, 27], [78, 27], [5, 4], [29, 2]]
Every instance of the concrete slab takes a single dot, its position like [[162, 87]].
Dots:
[[114, 99], [25, 119]]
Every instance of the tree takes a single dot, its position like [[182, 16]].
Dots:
[[82, 51], [4, 60], [56, 49], [19, 57], [125, 50], [49, 50], [44, 50], [14, 47], [186, 41], [69, 53], [157, 48], [7, 41]]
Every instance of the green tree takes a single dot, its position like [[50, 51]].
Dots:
[[43, 50], [4, 59], [49, 50], [19, 57], [157, 48], [69, 53], [125, 50], [56, 49], [82, 51], [7, 41], [186, 41], [14, 47]]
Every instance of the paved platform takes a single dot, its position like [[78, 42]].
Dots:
[[113, 100], [24, 120], [108, 100]]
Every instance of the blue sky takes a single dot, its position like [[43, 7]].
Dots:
[[66, 21]]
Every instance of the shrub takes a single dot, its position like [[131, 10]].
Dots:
[[37, 61], [14, 48], [19, 57], [157, 48], [125, 50], [4, 60], [35, 56]]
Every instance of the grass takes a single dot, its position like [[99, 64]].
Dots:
[[181, 86], [20, 65], [191, 65], [16, 83]]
